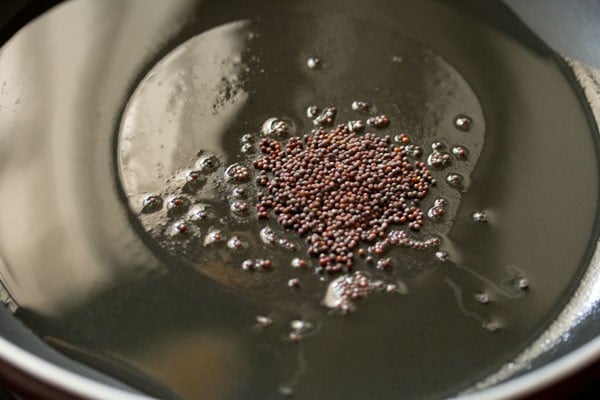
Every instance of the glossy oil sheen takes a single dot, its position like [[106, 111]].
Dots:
[[95, 284], [207, 93]]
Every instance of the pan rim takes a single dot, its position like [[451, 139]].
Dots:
[[31, 367], [53, 377]]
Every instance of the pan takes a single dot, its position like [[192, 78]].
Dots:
[[121, 122]]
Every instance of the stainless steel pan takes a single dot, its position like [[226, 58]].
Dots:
[[94, 51]]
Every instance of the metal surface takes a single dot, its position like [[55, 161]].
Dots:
[[570, 28], [584, 305], [568, 343]]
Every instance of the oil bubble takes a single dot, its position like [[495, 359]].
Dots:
[[402, 138], [479, 216], [248, 148], [359, 105], [178, 228], [239, 206], [414, 150], [523, 284], [213, 236], [248, 138], [463, 123], [391, 288], [267, 235], [403, 239], [379, 121], [460, 152], [263, 321], [440, 202], [152, 204], [442, 255], [194, 181], [286, 244], [454, 179], [239, 193], [436, 213], [198, 214], [384, 264], [235, 243], [276, 127], [356, 126], [439, 159], [195, 176], [491, 326], [177, 205], [342, 291], [301, 327], [298, 263], [237, 173], [314, 63], [437, 145], [248, 265], [294, 283], [264, 264], [293, 337], [312, 112], [208, 163], [482, 298]]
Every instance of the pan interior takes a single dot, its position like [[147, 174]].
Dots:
[[93, 279], [203, 98]]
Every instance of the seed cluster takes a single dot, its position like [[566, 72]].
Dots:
[[338, 188], [356, 126], [379, 121], [260, 264], [327, 117], [354, 286], [237, 172]]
